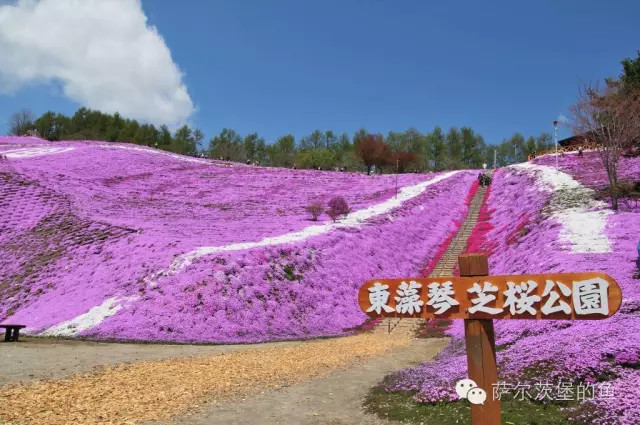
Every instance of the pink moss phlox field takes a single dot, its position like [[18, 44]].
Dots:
[[295, 290], [525, 238], [87, 223], [588, 169]]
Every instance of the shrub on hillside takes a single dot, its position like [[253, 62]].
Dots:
[[337, 207], [315, 209]]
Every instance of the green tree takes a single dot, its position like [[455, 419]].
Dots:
[[227, 145], [313, 141], [330, 139], [251, 144], [46, 125], [436, 148], [128, 131], [283, 151], [344, 144], [631, 71], [544, 142], [261, 151], [471, 148], [313, 158], [164, 140], [409, 149], [517, 145], [183, 141], [453, 158], [530, 145], [144, 135], [113, 126]]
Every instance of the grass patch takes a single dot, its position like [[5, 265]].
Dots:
[[401, 407]]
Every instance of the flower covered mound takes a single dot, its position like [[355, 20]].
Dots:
[[90, 232], [530, 231]]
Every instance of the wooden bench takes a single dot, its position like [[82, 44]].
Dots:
[[12, 332]]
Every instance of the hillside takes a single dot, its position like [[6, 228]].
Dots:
[[117, 241], [537, 219]]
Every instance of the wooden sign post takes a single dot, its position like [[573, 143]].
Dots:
[[481, 348], [479, 298]]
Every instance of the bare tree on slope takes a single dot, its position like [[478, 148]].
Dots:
[[610, 118], [20, 122]]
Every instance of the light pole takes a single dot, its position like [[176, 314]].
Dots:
[[397, 168], [555, 139]]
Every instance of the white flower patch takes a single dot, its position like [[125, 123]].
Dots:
[[583, 218], [33, 152], [85, 321], [159, 152]]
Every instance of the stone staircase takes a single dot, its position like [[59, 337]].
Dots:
[[444, 267]]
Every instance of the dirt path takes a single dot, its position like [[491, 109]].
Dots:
[[334, 399], [50, 358]]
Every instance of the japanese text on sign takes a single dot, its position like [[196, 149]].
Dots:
[[552, 296]]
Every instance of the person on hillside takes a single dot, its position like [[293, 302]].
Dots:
[[580, 151], [638, 259], [484, 179]]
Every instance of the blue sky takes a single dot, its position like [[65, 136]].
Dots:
[[280, 67]]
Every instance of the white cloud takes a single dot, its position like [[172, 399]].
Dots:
[[563, 119], [102, 52]]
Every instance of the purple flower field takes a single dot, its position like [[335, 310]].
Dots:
[[545, 222], [116, 241]]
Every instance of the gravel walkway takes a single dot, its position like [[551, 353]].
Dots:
[[334, 399], [162, 389]]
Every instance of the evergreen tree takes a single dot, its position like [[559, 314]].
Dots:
[[164, 140], [227, 145], [436, 148], [251, 142], [631, 71], [183, 141], [46, 126], [283, 152], [472, 147]]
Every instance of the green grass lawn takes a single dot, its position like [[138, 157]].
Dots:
[[401, 407]]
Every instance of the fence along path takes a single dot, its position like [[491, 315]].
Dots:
[[444, 267]]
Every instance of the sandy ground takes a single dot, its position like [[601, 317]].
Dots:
[[335, 399], [50, 358]]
